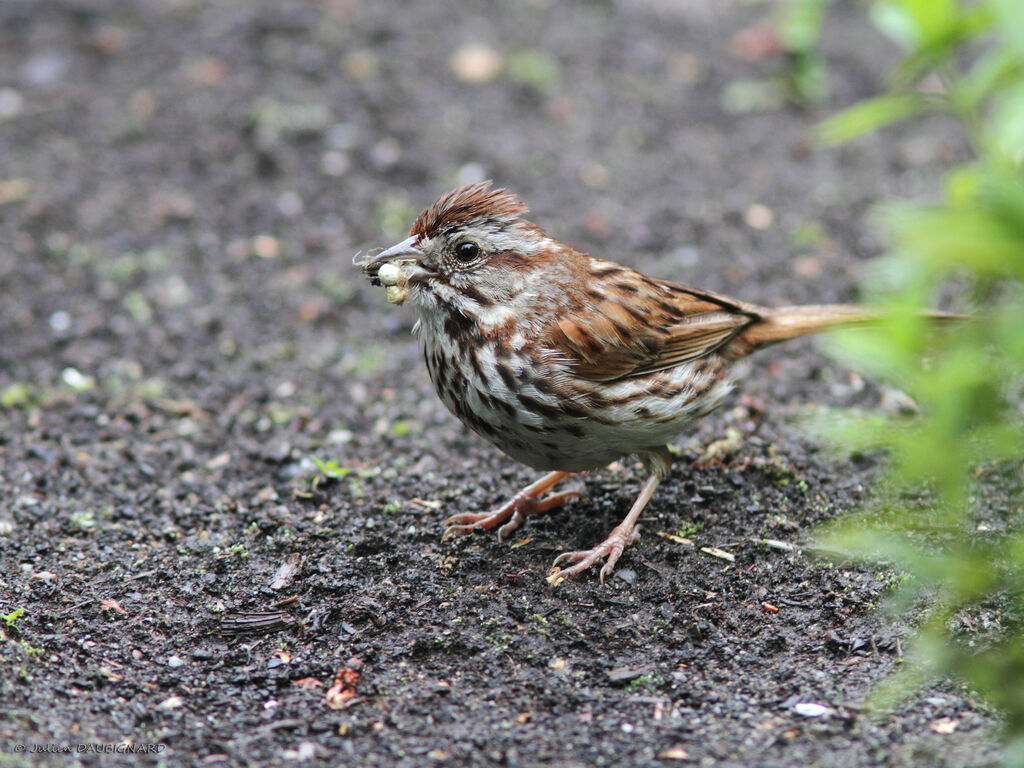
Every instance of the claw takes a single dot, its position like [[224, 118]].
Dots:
[[511, 515], [610, 549], [554, 501]]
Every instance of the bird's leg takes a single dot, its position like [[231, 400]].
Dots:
[[658, 464], [526, 502]]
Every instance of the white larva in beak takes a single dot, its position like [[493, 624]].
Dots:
[[396, 287]]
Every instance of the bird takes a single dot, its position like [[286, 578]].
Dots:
[[564, 361]]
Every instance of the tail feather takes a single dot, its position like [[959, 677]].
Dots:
[[784, 323]]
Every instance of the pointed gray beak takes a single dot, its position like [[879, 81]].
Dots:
[[403, 251]]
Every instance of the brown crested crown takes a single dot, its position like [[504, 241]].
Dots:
[[472, 203]]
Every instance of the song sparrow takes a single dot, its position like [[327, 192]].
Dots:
[[563, 361]]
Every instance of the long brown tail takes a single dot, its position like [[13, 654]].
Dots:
[[784, 323]]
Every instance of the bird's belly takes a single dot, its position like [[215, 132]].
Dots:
[[549, 420]]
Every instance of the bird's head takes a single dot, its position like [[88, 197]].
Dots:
[[471, 247]]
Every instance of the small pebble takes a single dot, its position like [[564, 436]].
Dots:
[[809, 709], [11, 103], [171, 702], [60, 321], [44, 68], [476, 63], [759, 216], [76, 380], [626, 575]]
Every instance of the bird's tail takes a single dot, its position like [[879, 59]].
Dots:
[[784, 323]]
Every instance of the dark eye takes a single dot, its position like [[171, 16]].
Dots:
[[467, 252]]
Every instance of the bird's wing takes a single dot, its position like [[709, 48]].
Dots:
[[621, 332]]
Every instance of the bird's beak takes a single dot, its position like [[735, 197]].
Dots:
[[405, 251]]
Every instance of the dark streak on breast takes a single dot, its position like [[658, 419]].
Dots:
[[506, 376], [474, 294], [534, 405], [474, 361], [543, 386], [575, 430], [458, 326]]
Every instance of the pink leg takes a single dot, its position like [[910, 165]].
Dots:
[[517, 509], [624, 534]]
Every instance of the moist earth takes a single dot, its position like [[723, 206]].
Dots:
[[183, 186]]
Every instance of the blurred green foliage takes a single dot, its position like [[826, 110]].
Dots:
[[962, 561], [798, 25], [795, 28]]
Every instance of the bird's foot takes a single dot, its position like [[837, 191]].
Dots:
[[610, 550], [511, 514], [622, 535]]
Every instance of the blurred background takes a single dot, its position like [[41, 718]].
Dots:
[[197, 176], [183, 186]]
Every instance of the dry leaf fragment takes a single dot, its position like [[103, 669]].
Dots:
[[676, 539], [674, 753], [428, 503], [626, 673], [112, 605], [110, 675], [343, 689], [785, 546], [285, 572], [720, 553]]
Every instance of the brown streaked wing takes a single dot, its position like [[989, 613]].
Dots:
[[606, 341], [698, 335], [599, 351]]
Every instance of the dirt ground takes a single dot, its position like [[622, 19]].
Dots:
[[183, 186]]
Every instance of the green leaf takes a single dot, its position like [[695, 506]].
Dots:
[[1006, 17], [534, 67], [895, 22], [916, 23], [799, 24], [1008, 124], [331, 470], [993, 71], [971, 238], [872, 114]]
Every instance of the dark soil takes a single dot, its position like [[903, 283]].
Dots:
[[182, 188]]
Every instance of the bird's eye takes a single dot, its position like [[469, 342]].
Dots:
[[467, 252]]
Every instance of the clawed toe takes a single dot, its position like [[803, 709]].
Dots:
[[511, 515], [470, 519], [610, 550], [469, 522], [458, 530]]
